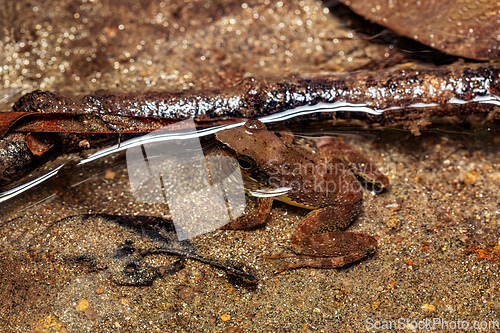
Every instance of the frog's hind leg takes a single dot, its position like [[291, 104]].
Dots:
[[318, 238], [358, 164], [319, 233], [330, 250]]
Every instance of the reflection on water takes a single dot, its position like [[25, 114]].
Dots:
[[201, 196]]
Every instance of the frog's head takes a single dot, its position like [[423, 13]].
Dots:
[[256, 149]]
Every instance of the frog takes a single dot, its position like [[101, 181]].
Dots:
[[325, 181]]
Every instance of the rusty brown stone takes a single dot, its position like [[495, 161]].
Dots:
[[465, 28]]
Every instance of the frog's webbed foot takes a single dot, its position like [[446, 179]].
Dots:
[[359, 165], [328, 250]]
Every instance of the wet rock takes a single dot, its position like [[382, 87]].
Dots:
[[469, 29]]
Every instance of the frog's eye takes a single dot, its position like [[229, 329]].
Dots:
[[246, 162]]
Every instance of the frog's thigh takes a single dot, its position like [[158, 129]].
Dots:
[[254, 218], [326, 219]]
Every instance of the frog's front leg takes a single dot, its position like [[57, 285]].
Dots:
[[253, 218]]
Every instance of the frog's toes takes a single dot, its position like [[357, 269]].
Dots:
[[318, 262]]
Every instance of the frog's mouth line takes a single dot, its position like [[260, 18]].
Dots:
[[258, 189]]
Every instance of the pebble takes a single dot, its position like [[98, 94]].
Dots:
[[428, 308], [225, 317], [82, 305]]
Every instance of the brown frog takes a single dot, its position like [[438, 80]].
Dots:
[[323, 182]]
